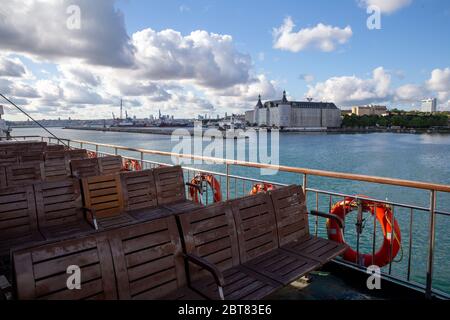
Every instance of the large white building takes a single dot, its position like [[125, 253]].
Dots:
[[429, 105], [294, 114]]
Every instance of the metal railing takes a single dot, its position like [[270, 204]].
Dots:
[[404, 272]]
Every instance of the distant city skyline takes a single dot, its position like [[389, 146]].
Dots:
[[211, 57]]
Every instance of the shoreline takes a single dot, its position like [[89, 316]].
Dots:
[[169, 130]]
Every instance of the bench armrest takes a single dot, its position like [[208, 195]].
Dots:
[[339, 221], [199, 189], [216, 273], [93, 216]]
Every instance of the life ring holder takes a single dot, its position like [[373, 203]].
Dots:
[[384, 216], [197, 183]]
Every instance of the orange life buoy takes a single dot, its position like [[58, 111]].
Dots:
[[92, 154], [211, 181], [132, 165], [384, 216], [261, 187]]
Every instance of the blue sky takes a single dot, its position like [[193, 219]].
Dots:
[[412, 41], [199, 56]]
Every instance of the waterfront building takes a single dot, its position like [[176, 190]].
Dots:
[[429, 105], [294, 114], [370, 110]]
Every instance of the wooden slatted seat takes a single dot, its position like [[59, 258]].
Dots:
[[171, 190], [110, 164], [7, 160], [56, 155], [293, 227], [56, 170], [60, 209], [31, 157], [148, 261], [258, 241], [77, 154], [18, 223], [41, 272], [3, 182], [55, 147], [25, 173], [85, 168], [103, 195], [140, 196], [210, 234]]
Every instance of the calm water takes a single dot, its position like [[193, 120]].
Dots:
[[414, 157]]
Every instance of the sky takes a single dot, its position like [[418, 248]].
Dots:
[[78, 58]]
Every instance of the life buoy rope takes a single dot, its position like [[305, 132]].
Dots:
[[196, 188], [389, 226]]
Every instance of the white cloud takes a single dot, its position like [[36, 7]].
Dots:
[[386, 6], [12, 67], [349, 90], [39, 29], [321, 37], [410, 93], [207, 59], [307, 77]]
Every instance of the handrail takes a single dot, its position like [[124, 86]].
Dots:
[[314, 172]]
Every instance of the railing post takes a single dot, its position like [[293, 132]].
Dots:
[[305, 182], [429, 287], [228, 181], [142, 161], [96, 149], [359, 221], [115, 151]]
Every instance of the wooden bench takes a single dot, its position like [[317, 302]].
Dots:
[[85, 168], [149, 263], [56, 170], [30, 156], [60, 209], [18, 223], [77, 154], [171, 190], [25, 173], [55, 147], [103, 196], [56, 155], [3, 182], [210, 235], [110, 164], [293, 227], [7, 160], [258, 241], [41, 272], [96, 166], [140, 196]]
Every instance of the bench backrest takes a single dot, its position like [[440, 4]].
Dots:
[[3, 182], [256, 226], [77, 154], [55, 147], [85, 168], [291, 213], [139, 189], [169, 184], [31, 157], [41, 272], [56, 155], [147, 259], [104, 194], [6, 160], [17, 212], [25, 173], [58, 203], [56, 170], [110, 164], [210, 233]]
